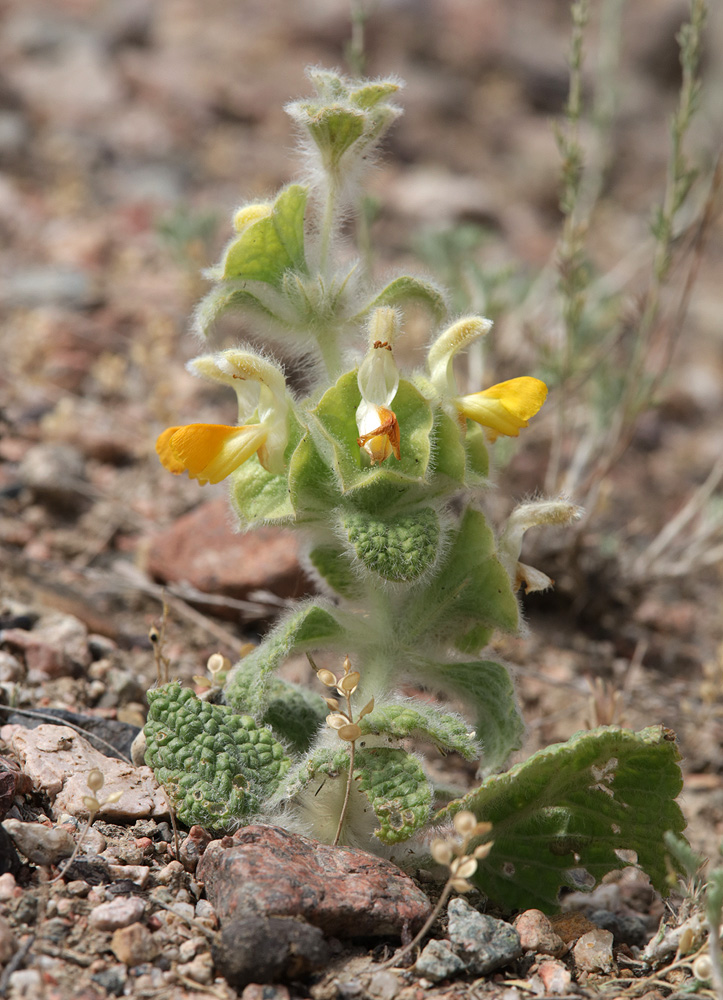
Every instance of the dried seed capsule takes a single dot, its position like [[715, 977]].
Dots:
[[350, 732]]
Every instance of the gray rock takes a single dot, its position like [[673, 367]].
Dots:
[[438, 961], [257, 949], [482, 942]]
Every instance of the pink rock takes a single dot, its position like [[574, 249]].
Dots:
[[344, 891], [536, 934], [202, 549], [119, 912]]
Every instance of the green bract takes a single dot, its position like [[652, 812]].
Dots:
[[382, 474]]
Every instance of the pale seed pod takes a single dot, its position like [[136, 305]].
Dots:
[[113, 797], [91, 803], [337, 720], [350, 732], [95, 780], [465, 822], [703, 968], [217, 663], [332, 703], [348, 684], [327, 678], [441, 851], [483, 850], [463, 867], [346, 664], [461, 885], [369, 707]]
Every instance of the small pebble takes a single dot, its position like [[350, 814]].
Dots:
[[187, 950], [594, 951], [384, 985], [255, 991], [77, 888], [555, 977], [204, 911], [536, 934], [171, 873], [8, 944], [119, 912], [133, 945], [138, 874], [93, 842], [26, 983], [483, 942], [438, 961], [9, 889], [200, 970]]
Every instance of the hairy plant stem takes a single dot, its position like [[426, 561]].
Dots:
[[349, 779]]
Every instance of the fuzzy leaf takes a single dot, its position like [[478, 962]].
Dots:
[[294, 713], [272, 245], [447, 732], [390, 780], [312, 485], [261, 496], [336, 413], [309, 627], [333, 564], [399, 548], [225, 297], [486, 691], [571, 808], [216, 767], [448, 455], [478, 459], [398, 790], [469, 594], [408, 289]]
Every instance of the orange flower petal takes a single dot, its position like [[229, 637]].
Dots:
[[209, 452]]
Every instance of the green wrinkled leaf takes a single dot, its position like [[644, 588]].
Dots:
[[406, 289], [309, 627], [486, 691], [336, 413], [398, 790], [398, 547], [447, 732], [295, 714], [216, 767], [272, 245], [469, 594], [572, 807]]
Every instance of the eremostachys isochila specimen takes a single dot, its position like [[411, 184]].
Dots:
[[381, 470]]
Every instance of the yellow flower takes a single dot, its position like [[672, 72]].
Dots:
[[209, 452], [506, 407]]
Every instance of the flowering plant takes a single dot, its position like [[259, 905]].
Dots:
[[381, 470]]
